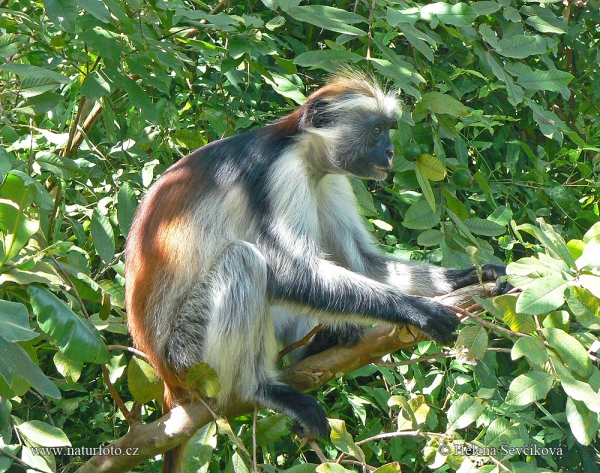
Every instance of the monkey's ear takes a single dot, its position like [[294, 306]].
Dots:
[[318, 114]]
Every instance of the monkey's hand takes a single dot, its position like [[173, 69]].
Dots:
[[433, 318], [460, 278], [495, 272]]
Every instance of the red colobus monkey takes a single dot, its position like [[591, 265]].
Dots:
[[256, 239]]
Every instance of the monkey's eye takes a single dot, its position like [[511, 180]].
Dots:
[[377, 131]]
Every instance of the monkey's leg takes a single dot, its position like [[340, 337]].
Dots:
[[239, 340]]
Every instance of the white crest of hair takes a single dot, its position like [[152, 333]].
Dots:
[[368, 94]]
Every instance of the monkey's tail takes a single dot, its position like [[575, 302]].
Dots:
[[172, 459]]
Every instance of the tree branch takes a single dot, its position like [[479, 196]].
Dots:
[[145, 441]]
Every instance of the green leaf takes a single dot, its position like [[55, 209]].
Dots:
[[8, 45], [500, 431], [475, 339], [393, 467], [270, 429], [14, 320], [401, 74], [237, 464], [103, 236], [331, 467], [531, 348], [463, 412], [77, 337], [106, 43], [63, 167], [284, 87], [14, 360], [203, 378], [27, 71], [528, 388], [426, 188], [431, 167], [585, 306], [200, 448], [543, 295], [485, 7], [484, 227], [578, 390], [553, 80], [363, 198], [329, 18], [126, 206], [458, 14], [430, 238], [515, 93], [43, 434], [521, 46], [19, 228], [140, 99], [551, 126], [543, 20], [70, 369], [328, 59], [96, 8], [515, 321], [583, 423], [62, 13], [570, 350], [343, 441], [144, 383], [396, 16], [420, 216], [440, 103], [190, 139], [95, 86]]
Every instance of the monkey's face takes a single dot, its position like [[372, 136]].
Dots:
[[370, 153]]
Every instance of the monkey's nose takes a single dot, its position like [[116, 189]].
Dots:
[[390, 152]]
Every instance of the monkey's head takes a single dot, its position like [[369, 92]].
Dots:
[[353, 116]]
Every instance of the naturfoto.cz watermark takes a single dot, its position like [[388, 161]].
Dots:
[[470, 450], [86, 451]]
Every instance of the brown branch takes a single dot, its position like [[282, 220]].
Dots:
[[87, 125], [115, 395], [137, 353], [74, 125], [145, 441], [301, 342]]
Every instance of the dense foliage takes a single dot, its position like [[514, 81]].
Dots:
[[497, 161]]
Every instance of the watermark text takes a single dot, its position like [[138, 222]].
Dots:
[[86, 451]]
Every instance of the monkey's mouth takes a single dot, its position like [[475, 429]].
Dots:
[[381, 172]]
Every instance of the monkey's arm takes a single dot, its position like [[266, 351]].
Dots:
[[349, 243], [430, 280], [340, 295]]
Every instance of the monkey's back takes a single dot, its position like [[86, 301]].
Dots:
[[208, 199]]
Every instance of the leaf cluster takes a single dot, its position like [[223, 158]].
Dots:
[[496, 161]]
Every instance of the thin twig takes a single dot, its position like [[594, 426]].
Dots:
[[18, 460], [254, 447], [299, 343], [319, 452], [74, 125], [485, 323], [357, 463], [132, 350], [115, 395]]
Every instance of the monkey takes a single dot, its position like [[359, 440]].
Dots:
[[256, 238]]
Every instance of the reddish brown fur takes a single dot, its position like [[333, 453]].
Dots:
[[156, 250]]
